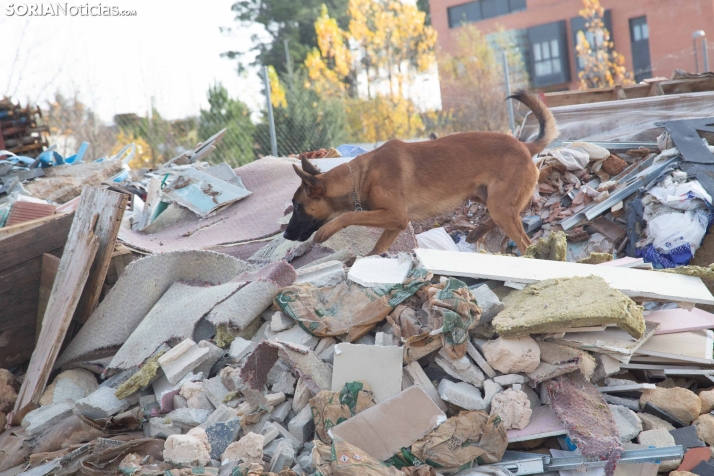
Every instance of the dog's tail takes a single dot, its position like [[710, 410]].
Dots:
[[548, 129]]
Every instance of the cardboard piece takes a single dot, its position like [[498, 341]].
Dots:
[[391, 425], [380, 367]]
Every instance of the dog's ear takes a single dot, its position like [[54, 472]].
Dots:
[[313, 185], [308, 167]]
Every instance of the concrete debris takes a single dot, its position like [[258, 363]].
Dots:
[[681, 403], [652, 422], [627, 423], [320, 275], [488, 302], [188, 449], [512, 355], [659, 438], [462, 395], [101, 404], [462, 369], [47, 416], [248, 449], [513, 407], [280, 322]]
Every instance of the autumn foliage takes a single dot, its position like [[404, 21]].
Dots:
[[603, 66]]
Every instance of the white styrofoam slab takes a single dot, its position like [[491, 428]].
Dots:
[[632, 282], [376, 271]]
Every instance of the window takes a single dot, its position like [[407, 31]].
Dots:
[[578, 24], [466, 13], [640, 44], [546, 58], [549, 55], [481, 10]]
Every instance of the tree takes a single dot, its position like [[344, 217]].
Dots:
[[304, 120], [603, 66], [472, 82], [236, 147], [372, 65], [284, 20], [72, 122]]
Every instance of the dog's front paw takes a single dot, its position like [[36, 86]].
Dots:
[[321, 235]]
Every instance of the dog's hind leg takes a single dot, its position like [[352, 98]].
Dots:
[[384, 242], [509, 219], [478, 232]]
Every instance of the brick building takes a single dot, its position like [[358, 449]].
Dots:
[[655, 36]]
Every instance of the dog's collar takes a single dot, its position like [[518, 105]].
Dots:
[[358, 205]]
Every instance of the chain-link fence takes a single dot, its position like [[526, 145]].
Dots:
[[302, 121]]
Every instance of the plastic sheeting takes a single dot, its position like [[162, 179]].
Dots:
[[624, 120]]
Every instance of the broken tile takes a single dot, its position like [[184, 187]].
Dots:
[[687, 437], [462, 369], [510, 379], [296, 335], [380, 430], [692, 457], [280, 322], [240, 348], [182, 359], [380, 367], [480, 361], [221, 434]]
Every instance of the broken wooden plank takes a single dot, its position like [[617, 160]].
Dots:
[[632, 282], [35, 241], [112, 206], [50, 265], [77, 258], [681, 320]]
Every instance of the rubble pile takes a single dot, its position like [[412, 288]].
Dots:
[[163, 325]]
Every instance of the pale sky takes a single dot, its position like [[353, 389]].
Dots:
[[170, 51]]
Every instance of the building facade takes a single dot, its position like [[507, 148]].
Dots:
[[655, 36]]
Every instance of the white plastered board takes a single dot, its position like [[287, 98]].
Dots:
[[631, 282]]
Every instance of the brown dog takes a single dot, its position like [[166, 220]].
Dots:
[[399, 182]]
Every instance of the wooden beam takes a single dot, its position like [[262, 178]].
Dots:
[[35, 241], [632, 282], [107, 230], [50, 265], [74, 268]]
